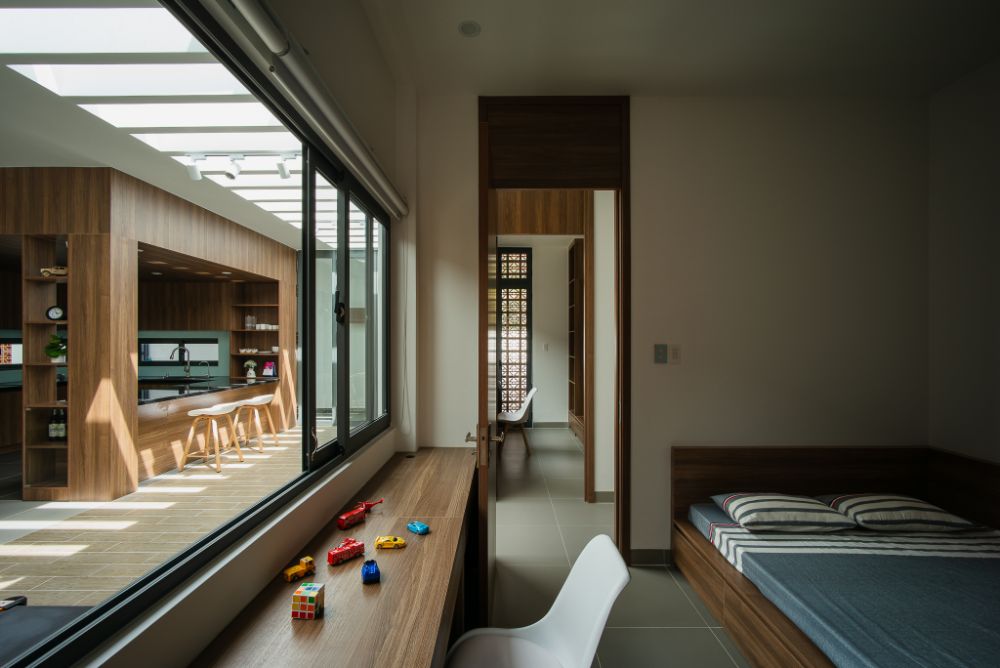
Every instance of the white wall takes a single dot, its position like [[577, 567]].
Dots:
[[964, 246], [447, 269], [782, 245], [604, 341]]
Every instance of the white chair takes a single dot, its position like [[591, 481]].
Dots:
[[567, 636], [210, 416], [516, 419], [253, 407]]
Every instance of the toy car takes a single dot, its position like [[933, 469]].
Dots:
[[389, 542], [349, 549], [306, 566], [357, 514], [418, 528], [370, 573], [57, 270]]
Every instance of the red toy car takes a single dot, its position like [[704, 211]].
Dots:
[[349, 549], [352, 517]]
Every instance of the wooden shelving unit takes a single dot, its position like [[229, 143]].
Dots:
[[259, 300], [45, 464]]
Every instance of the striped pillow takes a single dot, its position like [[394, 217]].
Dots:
[[892, 512], [782, 512]]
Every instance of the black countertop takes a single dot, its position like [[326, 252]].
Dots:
[[152, 390]]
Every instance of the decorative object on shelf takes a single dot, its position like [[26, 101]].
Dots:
[[57, 425], [55, 313], [250, 321], [57, 270], [307, 601], [268, 370], [56, 349], [370, 573], [250, 365], [275, 349]]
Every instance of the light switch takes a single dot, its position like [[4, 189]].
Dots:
[[675, 354], [660, 353]]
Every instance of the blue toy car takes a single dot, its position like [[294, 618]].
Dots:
[[370, 573], [418, 527]]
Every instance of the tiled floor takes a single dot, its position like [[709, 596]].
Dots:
[[79, 553], [543, 524]]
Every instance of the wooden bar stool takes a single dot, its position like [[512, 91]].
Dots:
[[210, 416], [253, 407]]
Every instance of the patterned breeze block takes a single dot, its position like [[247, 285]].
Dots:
[[307, 601]]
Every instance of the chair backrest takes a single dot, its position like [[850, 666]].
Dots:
[[572, 627], [522, 411]]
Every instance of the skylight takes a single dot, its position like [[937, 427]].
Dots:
[[250, 163], [184, 115], [325, 207], [274, 194], [221, 142], [134, 79], [255, 180], [93, 30]]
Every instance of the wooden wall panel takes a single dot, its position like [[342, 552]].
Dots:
[[54, 200], [562, 142], [544, 211], [191, 305]]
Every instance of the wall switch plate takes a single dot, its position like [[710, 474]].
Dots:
[[675, 354], [661, 353]]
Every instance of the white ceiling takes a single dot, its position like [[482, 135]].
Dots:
[[682, 47]]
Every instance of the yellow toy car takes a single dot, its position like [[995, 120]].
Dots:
[[305, 567], [389, 542]]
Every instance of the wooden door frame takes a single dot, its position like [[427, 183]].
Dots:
[[622, 235]]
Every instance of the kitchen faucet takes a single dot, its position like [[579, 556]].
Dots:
[[208, 369], [183, 355]]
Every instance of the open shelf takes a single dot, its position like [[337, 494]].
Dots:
[[255, 306], [254, 354], [46, 322], [50, 279], [54, 445], [49, 404]]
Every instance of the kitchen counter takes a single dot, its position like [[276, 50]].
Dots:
[[153, 390]]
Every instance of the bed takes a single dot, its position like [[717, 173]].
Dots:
[[847, 599]]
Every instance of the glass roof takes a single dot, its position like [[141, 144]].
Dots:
[[184, 115], [132, 79], [233, 143]]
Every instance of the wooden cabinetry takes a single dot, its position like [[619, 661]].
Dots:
[[255, 305], [576, 338]]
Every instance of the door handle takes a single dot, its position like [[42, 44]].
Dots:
[[499, 439], [339, 308], [469, 438]]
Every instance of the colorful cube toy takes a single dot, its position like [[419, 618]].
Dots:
[[307, 601]]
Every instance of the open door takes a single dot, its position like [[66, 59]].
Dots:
[[486, 438]]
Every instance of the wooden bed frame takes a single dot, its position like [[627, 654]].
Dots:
[[765, 636]]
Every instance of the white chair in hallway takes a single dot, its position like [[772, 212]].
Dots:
[[516, 419], [210, 416], [253, 407], [567, 636]]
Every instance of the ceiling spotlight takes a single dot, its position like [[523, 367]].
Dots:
[[283, 170], [469, 29], [233, 170], [194, 171]]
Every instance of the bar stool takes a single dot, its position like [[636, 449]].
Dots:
[[210, 416], [253, 407]]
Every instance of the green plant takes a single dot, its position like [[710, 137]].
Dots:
[[249, 364], [56, 346]]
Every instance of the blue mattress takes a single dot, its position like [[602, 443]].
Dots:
[[873, 599]]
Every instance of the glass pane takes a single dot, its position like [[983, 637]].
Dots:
[[380, 262], [359, 227], [326, 320]]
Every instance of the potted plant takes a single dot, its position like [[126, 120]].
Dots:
[[250, 365], [56, 349]]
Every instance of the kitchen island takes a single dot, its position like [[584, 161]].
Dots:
[[163, 415]]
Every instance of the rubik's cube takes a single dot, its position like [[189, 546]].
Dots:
[[307, 601]]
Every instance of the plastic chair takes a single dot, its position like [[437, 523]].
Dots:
[[210, 417], [517, 419], [567, 636]]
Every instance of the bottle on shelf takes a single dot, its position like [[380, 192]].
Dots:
[[54, 426], [62, 424]]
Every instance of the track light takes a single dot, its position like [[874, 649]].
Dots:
[[194, 171], [283, 170], [233, 170]]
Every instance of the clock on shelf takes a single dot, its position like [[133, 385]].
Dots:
[[55, 313]]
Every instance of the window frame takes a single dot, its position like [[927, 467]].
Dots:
[[73, 641], [515, 283]]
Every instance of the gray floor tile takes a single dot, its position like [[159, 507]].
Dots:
[[521, 487], [652, 598], [530, 544], [694, 598], [565, 488], [558, 464], [524, 593], [681, 648], [577, 537], [730, 646], [578, 513], [524, 512]]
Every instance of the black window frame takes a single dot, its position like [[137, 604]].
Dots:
[[73, 641], [184, 340]]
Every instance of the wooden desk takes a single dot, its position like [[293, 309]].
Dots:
[[404, 621]]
